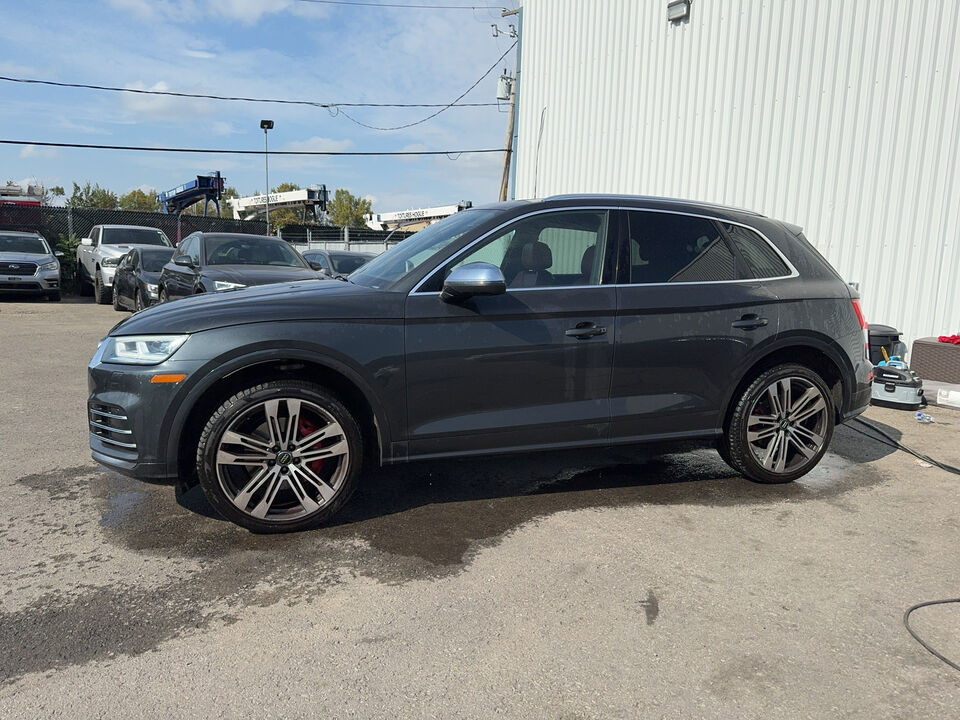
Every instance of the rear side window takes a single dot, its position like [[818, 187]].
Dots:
[[762, 259], [667, 248]]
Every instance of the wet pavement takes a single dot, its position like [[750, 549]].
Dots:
[[572, 584]]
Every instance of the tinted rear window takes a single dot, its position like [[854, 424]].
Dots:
[[762, 259], [134, 236], [677, 248], [346, 264]]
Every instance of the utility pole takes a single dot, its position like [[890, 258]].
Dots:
[[511, 116], [508, 147]]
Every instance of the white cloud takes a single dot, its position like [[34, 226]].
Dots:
[[35, 151], [163, 107], [199, 54]]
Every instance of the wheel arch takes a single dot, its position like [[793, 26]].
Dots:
[[818, 352], [184, 428]]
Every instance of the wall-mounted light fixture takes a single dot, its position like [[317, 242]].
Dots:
[[678, 10]]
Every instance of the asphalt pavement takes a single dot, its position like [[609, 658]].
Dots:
[[574, 585]]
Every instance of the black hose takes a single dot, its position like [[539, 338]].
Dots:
[[906, 624], [893, 442]]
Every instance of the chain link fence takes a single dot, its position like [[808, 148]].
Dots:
[[61, 224]]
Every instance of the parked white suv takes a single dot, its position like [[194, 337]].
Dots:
[[99, 254]]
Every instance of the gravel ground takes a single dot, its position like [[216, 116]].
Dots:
[[575, 585]]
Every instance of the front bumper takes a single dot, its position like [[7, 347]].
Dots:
[[42, 281], [106, 275], [128, 416]]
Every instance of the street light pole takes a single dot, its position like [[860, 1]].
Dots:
[[266, 125]]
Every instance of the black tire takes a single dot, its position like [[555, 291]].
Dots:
[[162, 297], [53, 296], [138, 301], [101, 295], [236, 409], [116, 302], [735, 447]]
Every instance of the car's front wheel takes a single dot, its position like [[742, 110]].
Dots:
[[281, 456], [781, 425], [101, 294]]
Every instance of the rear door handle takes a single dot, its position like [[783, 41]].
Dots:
[[750, 322], [585, 330]]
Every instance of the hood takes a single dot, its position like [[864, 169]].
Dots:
[[149, 277], [257, 274], [310, 300], [38, 258]]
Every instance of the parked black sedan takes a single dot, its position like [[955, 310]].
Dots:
[[337, 263], [210, 262], [138, 274]]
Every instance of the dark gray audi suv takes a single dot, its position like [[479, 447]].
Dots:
[[574, 321]]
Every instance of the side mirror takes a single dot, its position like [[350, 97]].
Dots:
[[477, 278], [58, 253], [86, 242], [183, 261], [315, 265]]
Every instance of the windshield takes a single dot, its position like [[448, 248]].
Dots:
[[134, 236], [24, 244], [154, 260], [346, 264], [410, 254], [251, 251]]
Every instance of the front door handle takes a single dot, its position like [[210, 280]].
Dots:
[[750, 321], [585, 330]]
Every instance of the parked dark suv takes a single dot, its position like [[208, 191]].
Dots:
[[570, 322]]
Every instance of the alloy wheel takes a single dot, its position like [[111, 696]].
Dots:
[[787, 425], [282, 459]]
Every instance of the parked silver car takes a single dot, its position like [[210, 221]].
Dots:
[[28, 265]]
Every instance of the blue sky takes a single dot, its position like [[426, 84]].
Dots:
[[258, 48]]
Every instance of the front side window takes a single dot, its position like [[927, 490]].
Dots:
[[763, 260], [134, 236], [191, 248], [668, 248], [553, 249]]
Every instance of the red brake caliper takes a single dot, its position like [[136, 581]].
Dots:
[[307, 428]]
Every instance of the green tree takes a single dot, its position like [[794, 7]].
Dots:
[[282, 217], [140, 200], [347, 210], [226, 209], [92, 196]]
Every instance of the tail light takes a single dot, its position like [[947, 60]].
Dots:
[[863, 326]]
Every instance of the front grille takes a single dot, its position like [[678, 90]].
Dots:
[[110, 424], [20, 286], [14, 268]]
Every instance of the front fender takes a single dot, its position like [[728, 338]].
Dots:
[[379, 377]]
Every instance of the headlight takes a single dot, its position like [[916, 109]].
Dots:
[[141, 349], [110, 261], [52, 265], [224, 285], [151, 290]]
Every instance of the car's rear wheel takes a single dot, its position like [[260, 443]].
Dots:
[[281, 456], [781, 426]]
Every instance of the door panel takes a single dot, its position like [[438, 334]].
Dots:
[[688, 317], [502, 371]]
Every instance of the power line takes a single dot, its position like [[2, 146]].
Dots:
[[172, 93], [445, 107], [249, 152], [409, 7]]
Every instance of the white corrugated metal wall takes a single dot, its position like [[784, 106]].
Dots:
[[842, 116]]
